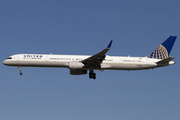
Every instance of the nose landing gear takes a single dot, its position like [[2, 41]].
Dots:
[[92, 74], [20, 70]]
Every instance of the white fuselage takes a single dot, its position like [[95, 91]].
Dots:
[[110, 62]]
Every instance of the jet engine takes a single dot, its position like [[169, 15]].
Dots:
[[75, 65]]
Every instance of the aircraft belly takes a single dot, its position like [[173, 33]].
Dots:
[[129, 66], [37, 64]]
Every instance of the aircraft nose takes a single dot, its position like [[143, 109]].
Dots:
[[5, 62]]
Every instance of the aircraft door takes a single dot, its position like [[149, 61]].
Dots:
[[147, 61], [18, 58], [47, 59], [120, 61]]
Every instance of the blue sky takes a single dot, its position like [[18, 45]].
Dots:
[[86, 27]]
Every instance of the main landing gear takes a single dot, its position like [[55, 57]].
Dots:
[[20, 70], [92, 74]]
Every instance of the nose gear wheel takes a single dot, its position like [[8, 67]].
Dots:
[[20, 70]]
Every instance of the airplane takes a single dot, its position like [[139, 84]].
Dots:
[[80, 64]]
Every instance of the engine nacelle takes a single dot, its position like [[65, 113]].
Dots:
[[78, 72], [75, 65]]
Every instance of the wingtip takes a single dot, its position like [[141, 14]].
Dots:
[[109, 46]]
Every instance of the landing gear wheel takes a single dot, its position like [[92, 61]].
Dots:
[[20, 69], [92, 75]]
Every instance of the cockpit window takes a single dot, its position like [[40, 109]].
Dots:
[[9, 58]]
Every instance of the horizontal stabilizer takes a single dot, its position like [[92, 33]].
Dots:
[[167, 60]]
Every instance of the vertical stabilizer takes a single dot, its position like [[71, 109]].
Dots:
[[163, 50]]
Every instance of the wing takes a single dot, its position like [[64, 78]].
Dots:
[[96, 59]]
